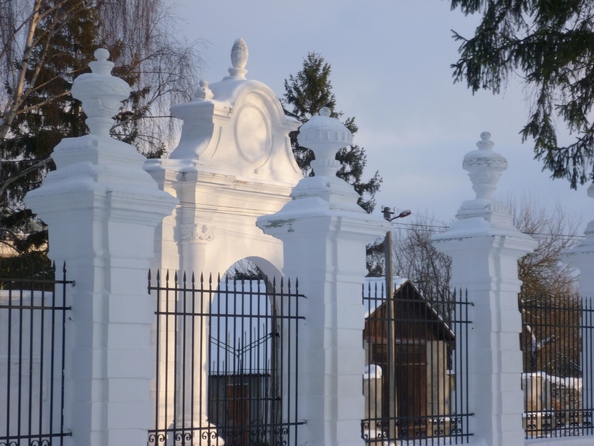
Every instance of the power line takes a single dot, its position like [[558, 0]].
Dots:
[[444, 228]]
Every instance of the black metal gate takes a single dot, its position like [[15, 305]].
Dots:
[[226, 361], [32, 357]]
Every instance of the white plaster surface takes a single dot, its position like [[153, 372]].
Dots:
[[324, 234], [485, 248], [101, 208], [233, 163]]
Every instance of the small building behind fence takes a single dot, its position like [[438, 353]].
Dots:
[[423, 345]]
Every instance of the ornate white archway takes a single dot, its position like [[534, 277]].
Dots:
[[233, 164]]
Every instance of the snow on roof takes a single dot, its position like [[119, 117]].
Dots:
[[372, 371], [569, 382], [14, 297], [241, 325], [374, 290], [379, 281]]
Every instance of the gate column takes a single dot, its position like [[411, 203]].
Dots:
[[582, 257], [485, 248], [102, 208], [324, 234]]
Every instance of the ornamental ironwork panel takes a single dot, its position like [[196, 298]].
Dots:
[[226, 361]]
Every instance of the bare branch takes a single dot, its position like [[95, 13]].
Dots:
[[38, 165]]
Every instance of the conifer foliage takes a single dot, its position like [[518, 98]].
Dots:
[[44, 46], [550, 46], [307, 92]]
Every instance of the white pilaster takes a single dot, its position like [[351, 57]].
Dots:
[[582, 257], [101, 208], [324, 235], [485, 247]]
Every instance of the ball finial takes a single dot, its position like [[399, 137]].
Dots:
[[325, 111], [101, 54], [485, 143]]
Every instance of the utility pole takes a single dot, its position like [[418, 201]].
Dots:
[[391, 325]]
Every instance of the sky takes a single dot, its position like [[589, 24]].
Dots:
[[391, 70]]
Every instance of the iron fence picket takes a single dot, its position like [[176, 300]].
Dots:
[[247, 352], [430, 340], [33, 314], [556, 341]]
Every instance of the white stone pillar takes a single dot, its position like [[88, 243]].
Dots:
[[192, 345], [101, 208], [485, 247], [582, 257], [324, 233]]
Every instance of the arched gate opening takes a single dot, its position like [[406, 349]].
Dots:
[[226, 360]]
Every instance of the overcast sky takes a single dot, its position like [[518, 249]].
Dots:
[[391, 70]]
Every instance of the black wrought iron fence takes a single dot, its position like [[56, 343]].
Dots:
[[415, 382], [557, 340], [226, 361], [32, 359]]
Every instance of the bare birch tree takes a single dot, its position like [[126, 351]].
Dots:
[[549, 299], [44, 45], [543, 272], [138, 34], [416, 258]]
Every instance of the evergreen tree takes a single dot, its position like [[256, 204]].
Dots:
[[550, 45], [307, 93], [46, 115], [44, 46]]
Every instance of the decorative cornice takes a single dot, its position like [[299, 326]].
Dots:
[[200, 232]]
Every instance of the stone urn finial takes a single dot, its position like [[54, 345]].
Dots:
[[324, 136], [484, 167], [239, 57], [100, 93]]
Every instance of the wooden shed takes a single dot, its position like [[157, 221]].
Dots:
[[421, 358]]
